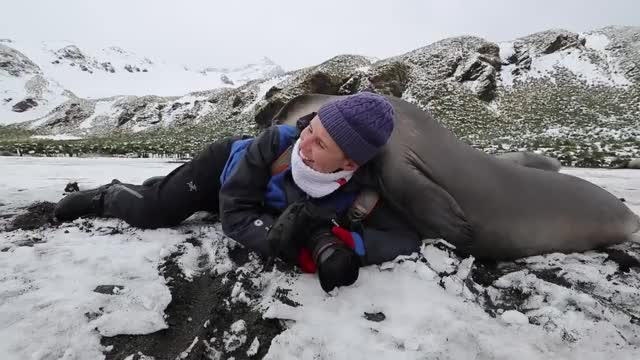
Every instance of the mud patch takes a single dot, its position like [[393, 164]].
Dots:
[[625, 261], [486, 272], [375, 317], [200, 318], [282, 295], [39, 214], [552, 275], [109, 289]]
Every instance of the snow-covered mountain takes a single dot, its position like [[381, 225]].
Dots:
[[574, 96], [34, 77]]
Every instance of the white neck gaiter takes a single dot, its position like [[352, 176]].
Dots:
[[314, 183]]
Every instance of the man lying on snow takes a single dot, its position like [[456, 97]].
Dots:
[[293, 192]]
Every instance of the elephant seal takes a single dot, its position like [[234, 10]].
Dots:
[[485, 206], [532, 160], [634, 164]]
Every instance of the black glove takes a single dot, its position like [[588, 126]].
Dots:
[[338, 265], [294, 226]]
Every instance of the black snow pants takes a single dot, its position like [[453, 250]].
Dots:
[[192, 187]]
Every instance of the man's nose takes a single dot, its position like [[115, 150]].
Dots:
[[304, 143]]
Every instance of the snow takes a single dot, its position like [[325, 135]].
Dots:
[[57, 137], [254, 347], [421, 321], [596, 41], [236, 337], [46, 92], [188, 101], [514, 317], [263, 89], [605, 72], [161, 78], [430, 310], [103, 108], [185, 353], [506, 51]]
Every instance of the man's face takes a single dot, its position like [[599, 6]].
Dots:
[[320, 152]]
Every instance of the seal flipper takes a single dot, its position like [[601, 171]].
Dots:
[[429, 208]]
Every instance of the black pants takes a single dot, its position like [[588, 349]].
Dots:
[[192, 187]]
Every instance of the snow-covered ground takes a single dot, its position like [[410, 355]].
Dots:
[[62, 288]]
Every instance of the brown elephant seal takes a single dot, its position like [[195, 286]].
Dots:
[[485, 206]]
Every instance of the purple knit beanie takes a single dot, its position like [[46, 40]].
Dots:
[[360, 124]]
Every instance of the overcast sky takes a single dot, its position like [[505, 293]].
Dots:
[[295, 33]]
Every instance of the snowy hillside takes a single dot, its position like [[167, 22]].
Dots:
[[572, 96], [98, 288], [100, 73]]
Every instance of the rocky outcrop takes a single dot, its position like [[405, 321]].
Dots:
[[71, 113], [225, 79], [326, 78], [550, 41], [16, 63], [24, 105]]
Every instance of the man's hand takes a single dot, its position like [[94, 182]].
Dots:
[[294, 226], [338, 264]]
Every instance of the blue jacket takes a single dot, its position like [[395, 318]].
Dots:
[[251, 199]]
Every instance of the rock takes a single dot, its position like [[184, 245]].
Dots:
[[237, 102], [272, 91], [70, 113], [129, 68], [491, 50], [375, 317], [108, 67], [550, 41], [109, 289], [353, 85], [521, 58], [24, 105], [225, 79], [15, 62], [70, 52], [326, 78], [481, 75], [71, 187], [564, 41], [175, 106], [390, 78]]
